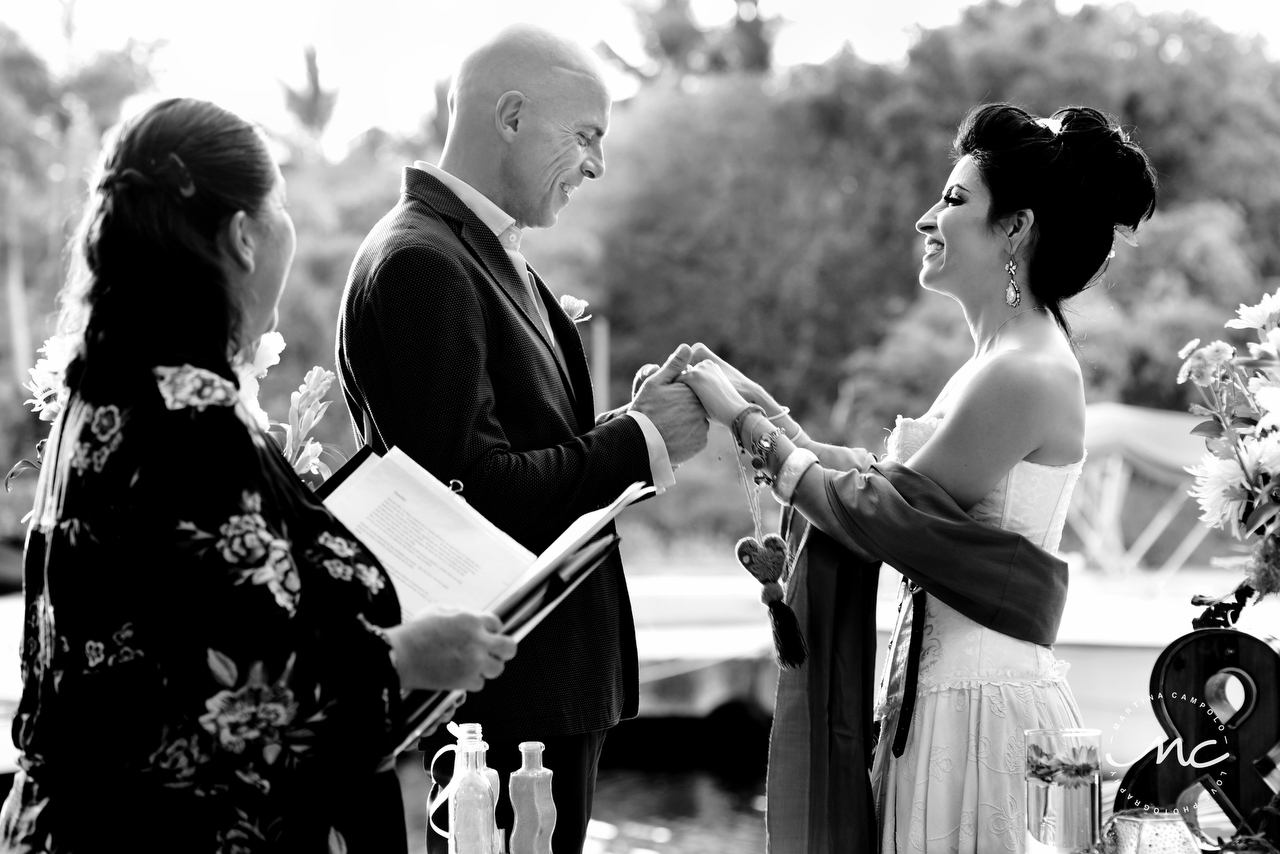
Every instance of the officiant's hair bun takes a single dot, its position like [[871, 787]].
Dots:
[[1078, 171], [148, 277]]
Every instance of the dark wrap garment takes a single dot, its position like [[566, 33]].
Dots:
[[819, 792]]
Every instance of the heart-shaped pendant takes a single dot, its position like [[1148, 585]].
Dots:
[[765, 560]]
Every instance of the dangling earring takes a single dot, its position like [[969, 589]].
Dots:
[[1012, 293]]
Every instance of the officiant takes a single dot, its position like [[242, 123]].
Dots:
[[210, 660], [451, 347]]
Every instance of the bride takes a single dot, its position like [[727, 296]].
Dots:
[[1026, 220]]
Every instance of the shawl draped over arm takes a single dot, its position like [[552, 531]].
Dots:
[[819, 795]]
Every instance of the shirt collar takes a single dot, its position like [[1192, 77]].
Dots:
[[501, 223]]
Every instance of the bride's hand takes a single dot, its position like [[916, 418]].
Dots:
[[721, 400], [750, 390]]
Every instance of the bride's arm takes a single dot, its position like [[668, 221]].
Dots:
[[836, 457], [1018, 406]]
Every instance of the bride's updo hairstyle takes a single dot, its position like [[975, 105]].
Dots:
[[147, 285], [1078, 172]]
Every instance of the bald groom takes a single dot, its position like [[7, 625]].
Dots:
[[453, 349]]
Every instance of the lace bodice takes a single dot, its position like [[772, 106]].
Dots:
[[1031, 498]]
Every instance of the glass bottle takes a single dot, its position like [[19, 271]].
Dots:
[[535, 811], [470, 794]]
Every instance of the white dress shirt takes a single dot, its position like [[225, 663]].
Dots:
[[508, 233]]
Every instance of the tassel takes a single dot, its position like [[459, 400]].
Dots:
[[767, 561]]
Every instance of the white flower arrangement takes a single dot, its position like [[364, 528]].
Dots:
[[306, 406], [1237, 484]]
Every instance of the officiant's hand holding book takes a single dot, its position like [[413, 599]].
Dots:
[[447, 648], [442, 553]]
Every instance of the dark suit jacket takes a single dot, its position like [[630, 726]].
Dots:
[[439, 342]]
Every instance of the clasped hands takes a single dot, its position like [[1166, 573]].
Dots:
[[694, 385]]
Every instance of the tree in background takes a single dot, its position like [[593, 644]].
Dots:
[[50, 129], [312, 107], [772, 216]]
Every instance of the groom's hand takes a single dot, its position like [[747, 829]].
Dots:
[[673, 408]]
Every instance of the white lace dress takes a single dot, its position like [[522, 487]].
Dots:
[[958, 786]]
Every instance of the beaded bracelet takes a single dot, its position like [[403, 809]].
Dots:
[[761, 449]]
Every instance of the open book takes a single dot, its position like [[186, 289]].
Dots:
[[438, 550]]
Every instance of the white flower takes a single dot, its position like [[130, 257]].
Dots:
[[47, 378], [1204, 364], [1265, 315], [1222, 488], [251, 365], [1268, 454], [575, 308], [1188, 348], [308, 461], [1267, 395], [267, 353], [306, 407]]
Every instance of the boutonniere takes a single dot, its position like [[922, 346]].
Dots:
[[575, 308]]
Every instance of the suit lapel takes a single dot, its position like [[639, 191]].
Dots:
[[479, 240], [578, 378], [484, 246]]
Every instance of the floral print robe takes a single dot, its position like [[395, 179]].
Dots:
[[203, 664]]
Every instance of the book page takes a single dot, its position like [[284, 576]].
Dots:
[[436, 548]]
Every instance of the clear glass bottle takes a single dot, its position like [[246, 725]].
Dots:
[[471, 794], [535, 811]]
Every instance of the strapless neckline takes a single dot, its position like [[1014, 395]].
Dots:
[[931, 422]]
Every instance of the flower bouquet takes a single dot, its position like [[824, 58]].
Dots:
[[307, 406], [1237, 483]]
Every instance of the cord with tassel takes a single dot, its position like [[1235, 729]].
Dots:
[[768, 562]]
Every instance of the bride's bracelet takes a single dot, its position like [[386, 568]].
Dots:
[[783, 413], [735, 426]]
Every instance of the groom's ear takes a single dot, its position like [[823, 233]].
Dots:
[[508, 113]]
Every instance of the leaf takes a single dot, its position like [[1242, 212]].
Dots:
[[1208, 429], [1202, 411], [1220, 448], [271, 753], [337, 844], [1264, 513], [224, 670], [18, 468]]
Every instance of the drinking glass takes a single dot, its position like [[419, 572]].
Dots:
[[1148, 833], [1064, 791]]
